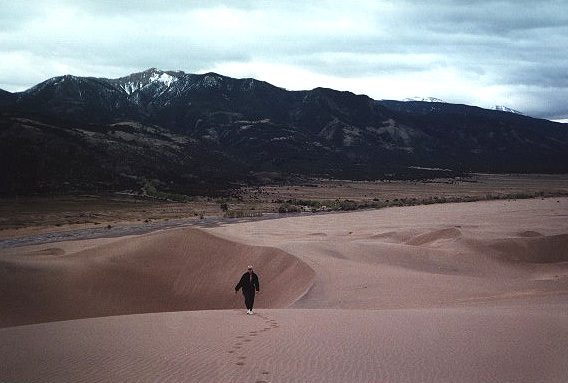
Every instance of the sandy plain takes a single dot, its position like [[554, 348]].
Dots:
[[468, 292]]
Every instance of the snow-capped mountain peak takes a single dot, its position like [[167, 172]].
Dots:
[[163, 77], [423, 99], [153, 76], [503, 108]]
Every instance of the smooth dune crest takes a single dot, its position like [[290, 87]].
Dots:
[[175, 270]]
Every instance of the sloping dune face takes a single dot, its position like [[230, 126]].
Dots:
[[425, 256], [535, 249], [166, 271]]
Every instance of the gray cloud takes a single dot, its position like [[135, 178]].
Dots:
[[484, 52]]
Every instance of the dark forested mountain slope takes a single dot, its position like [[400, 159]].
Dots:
[[192, 133]]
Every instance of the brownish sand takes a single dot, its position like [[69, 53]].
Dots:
[[473, 292], [174, 270]]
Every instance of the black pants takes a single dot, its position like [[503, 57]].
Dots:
[[249, 299]]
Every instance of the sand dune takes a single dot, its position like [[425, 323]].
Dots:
[[474, 292], [435, 236], [166, 271], [424, 256], [537, 249]]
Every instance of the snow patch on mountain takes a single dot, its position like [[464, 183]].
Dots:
[[156, 78], [164, 78], [130, 87], [423, 99], [503, 108]]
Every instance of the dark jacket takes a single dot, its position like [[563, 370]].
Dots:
[[248, 283]]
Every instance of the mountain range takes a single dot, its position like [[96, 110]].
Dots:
[[207, 133]]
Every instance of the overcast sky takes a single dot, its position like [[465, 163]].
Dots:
[[477, 52]]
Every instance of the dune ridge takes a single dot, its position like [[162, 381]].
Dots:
[[424, 256], [173, 270]]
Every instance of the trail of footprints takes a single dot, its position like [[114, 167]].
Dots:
[[242, 340]]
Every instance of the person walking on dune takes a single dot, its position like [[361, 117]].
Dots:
[[249, 283]]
